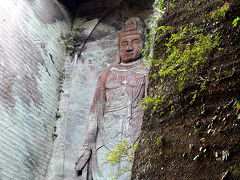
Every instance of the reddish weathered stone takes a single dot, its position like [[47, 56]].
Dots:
[[114, 114]]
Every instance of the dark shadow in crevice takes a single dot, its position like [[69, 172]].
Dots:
[[72, 5]]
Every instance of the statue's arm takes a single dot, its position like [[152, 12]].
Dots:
[[95, 114], [97, 109]]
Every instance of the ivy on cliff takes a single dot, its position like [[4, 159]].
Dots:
[[186, 49], [195, 75], [122, 152]]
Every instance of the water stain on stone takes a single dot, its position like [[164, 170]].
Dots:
[[48, 13], [6, 82]]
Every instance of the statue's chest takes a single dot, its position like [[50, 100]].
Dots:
[[121, 86], [117, 79]]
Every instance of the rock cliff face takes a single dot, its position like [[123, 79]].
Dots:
[[192, 136], [30, 66], [194, 132]]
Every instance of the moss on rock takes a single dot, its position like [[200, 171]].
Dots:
[[201, 137]]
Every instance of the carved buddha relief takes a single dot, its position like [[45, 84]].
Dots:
[[115, 114]]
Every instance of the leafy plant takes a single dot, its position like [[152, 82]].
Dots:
[[72, 40], [235, 21], [186, 50], [159, 4], [122, 152], [159, 140], [58, 114], [220, 12]]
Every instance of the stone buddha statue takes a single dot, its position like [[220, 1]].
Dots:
[[115, 114]]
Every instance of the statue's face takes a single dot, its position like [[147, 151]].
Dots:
[[130, 48]]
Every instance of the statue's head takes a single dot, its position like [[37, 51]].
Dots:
[[131, 39]]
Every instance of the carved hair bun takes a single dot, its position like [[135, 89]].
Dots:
[[133, 26]]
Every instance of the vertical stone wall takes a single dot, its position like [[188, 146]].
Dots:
[[31, 60]]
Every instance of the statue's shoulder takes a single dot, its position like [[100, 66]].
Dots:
[[105, 71], [143, 69], [103, 75]]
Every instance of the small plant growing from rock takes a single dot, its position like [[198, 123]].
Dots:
[[159, 140], [120, 153], [220, 12], [236, 21], [187, 49], [58, 114], [54, 136], [72, 40]]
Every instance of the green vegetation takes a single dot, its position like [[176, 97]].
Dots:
[[236, 106], [220, 12], [159, 140], [72, 40], [58, 114], [186, 50], [184, 57], [159, 5], [120, 153], [193, 94], [235, 21]]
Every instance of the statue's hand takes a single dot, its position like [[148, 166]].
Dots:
[[85, 155]]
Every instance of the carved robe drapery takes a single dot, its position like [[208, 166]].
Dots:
[[115, 114], [119, 91]]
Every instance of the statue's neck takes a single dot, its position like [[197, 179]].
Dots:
[[130, 63]]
